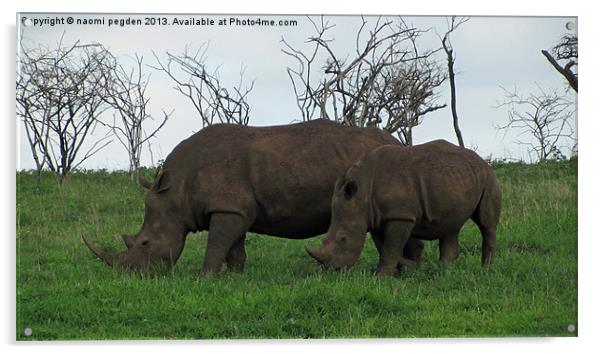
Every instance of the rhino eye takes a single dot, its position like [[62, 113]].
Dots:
[[350, 189], [145, 243]]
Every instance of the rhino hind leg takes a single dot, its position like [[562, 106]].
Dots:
[[449, 248], [225, 229], [236, 257]]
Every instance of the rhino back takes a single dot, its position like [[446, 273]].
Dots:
[[280, 177], [437, 184]]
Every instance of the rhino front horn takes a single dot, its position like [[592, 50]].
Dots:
[[108, 258], [316, 254]]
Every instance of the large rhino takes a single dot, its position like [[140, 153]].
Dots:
[[230, 179], [427, 191]]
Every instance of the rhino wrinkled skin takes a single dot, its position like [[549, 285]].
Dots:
[[427, 191]]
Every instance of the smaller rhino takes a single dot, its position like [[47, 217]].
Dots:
[[427, 192]]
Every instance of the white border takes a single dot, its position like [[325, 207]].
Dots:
[[589, 196]]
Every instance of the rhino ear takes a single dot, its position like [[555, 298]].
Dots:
[[162, 181], [144, 182], [350, 189]]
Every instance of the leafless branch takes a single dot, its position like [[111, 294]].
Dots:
[[565, 53], [213, 102]]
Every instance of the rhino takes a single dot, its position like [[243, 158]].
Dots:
[[231, 179], [428, 191]]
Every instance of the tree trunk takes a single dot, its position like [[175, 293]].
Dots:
[[568, 75], [452, 85]]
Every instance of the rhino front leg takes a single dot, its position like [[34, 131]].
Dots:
[[412, 250], [225, 230], [395, 236], [236, 257]]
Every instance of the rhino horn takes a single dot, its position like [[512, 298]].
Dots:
[[108, 258], [128, 240], [317, 254]]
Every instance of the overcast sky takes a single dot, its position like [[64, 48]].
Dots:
[[491, 52]]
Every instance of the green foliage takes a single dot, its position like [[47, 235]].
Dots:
[[63, 292]]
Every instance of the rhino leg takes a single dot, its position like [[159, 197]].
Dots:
[[395, 236], [236, 257], [449, 248], [412, 250], [225, 230]]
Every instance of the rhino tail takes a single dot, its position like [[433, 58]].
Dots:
[[487, 217], [488, 210]]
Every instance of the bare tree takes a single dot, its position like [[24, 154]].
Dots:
[[58, 101], [452, 25], [386, 82], [213, 102], [404, 94], [545, 117], [28, 107], [126, 93], [564, 58]]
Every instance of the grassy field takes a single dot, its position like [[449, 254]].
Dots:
[[63, 292]]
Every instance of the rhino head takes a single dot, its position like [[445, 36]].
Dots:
[[349, 222], [162, 235]]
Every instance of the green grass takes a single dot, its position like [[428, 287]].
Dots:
[[63, 292]]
